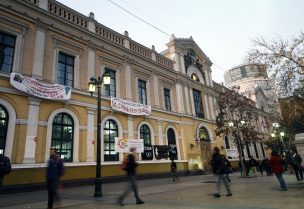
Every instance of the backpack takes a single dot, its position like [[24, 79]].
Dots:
[[5, 165]]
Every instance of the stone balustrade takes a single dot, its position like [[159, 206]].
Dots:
[[83, 21]]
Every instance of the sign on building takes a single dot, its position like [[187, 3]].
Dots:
[[40, 89], [131, 108], [123, 145], [232, 153]]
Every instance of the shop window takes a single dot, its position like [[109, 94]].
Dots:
[[167, 99], [7, 49], [63, 136], [110, 131], [110, 90], [65, 72], [146, 136], [198, 103], [142, 92]]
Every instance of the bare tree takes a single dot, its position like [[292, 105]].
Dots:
[[238, 118], [284, 61]]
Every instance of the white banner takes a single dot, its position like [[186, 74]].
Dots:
[[128, 107], [39, 89], [124, 145], [232, 153]]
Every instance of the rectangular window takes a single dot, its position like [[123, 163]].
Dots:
[[198, 103], [142, 92], [167, 99], [243, 72], [65, 71], [7, 50], [110, 90]]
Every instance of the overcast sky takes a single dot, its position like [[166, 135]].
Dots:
[[223, 29]]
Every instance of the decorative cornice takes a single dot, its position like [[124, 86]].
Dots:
[[41, 26]]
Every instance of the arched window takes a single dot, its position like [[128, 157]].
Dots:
[[146, 136], [172, 144], [110, 131], [3, 128], [203, 134], [62, 136]]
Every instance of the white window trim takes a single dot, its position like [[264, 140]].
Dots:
[[152, 136], [194, 70], [110, 117], [211, 136], [18, 50], [176, 140], [10, 128], [76, 53], [117, 80], [75, 137], [147, 89]]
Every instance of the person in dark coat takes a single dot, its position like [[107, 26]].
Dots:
[[174, 170], [267, 166], [276, 163], [131, 173], [296, 162], [55, 170], [219, 168]]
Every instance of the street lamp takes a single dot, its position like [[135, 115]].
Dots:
[[93, 84]]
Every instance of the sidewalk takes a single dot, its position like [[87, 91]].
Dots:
[[190, 192]]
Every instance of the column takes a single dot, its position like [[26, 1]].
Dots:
[[182, 64], [156, 91], [39, 50], [91, 61], [126, 41], [130, 127], [183, 143], [90, 135], [188, 111], [177, 63], [160, 133], [211, 107], [128, 82], [180, 99], [31, 131], [192, 102], [215, 107], [210, 78], [206, 106]]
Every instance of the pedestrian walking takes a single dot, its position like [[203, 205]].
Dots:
[[174, 170], [276, 163], [219, 168], [252, 165], [261, 166], [296, 162], [55, 170], [5, 167], [130, 169], [267, 166]]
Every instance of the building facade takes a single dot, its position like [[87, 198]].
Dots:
[[53, 44], [251, 81]]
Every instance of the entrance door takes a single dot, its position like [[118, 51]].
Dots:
[[172, 144]]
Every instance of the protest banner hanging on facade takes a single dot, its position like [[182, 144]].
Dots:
[[123, 145], [40, 89], [129, 107]]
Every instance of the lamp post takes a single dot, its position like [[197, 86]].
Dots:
[[279, 136], [93, 84]]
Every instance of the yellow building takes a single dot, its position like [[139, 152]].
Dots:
[[49, 42]]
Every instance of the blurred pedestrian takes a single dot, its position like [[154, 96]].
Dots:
[[130, 169], [174, 170], [266, 163], [296, 162], [5, 167], [261, 166], [252, 165], [276, 163], [55, 170], [219, 167]]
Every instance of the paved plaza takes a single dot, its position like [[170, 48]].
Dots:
[[190, 192]]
